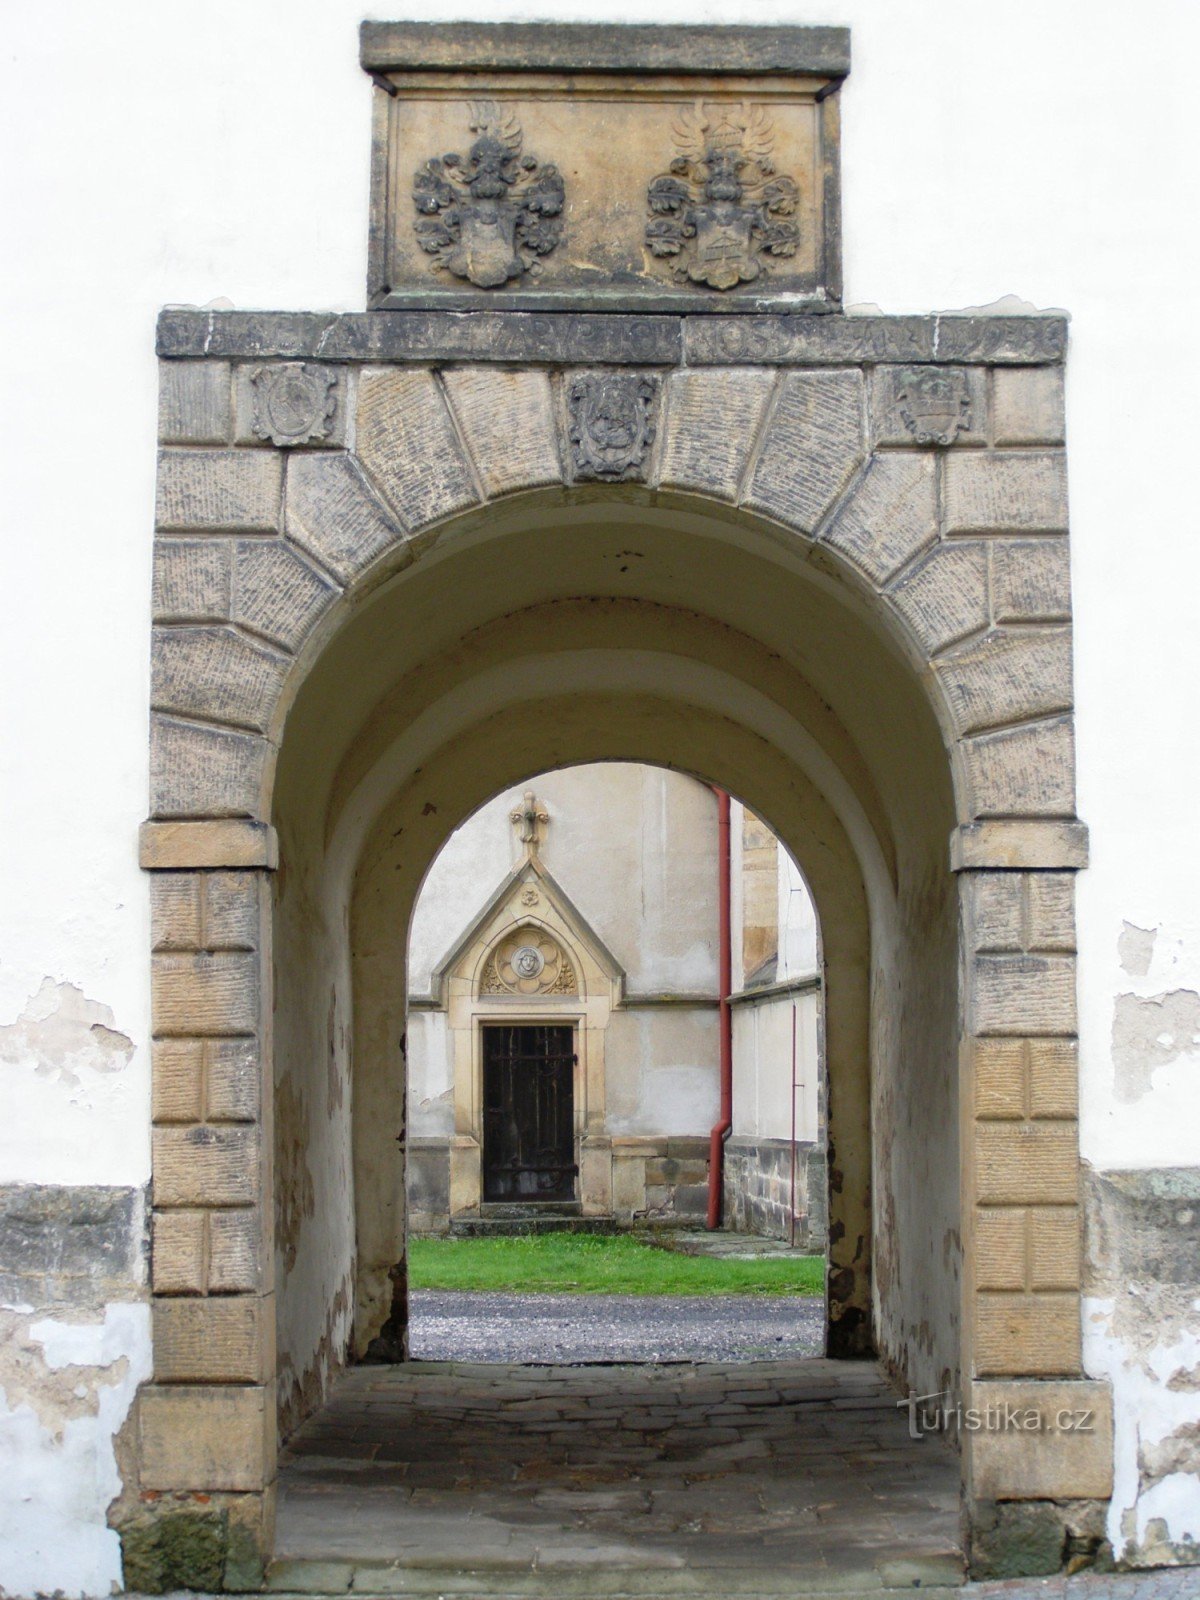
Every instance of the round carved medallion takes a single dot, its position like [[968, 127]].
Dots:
[[528, 961]]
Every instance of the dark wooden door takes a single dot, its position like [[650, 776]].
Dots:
[[528, 1120]]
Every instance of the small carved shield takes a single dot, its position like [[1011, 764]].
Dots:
[[294, 402], [724, 252], [934, 403], [611, 425]]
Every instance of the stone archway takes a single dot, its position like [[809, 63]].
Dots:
[[463, 516]]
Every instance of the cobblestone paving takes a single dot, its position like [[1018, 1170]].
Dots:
[[482, 1326], [764, 1478]]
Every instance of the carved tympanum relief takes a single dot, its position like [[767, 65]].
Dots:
[[934, 403], [722, 207], [294, 402], [528, 962], [612, 427], [489, 215]]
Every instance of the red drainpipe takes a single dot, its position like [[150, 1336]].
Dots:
[[721, 1129]]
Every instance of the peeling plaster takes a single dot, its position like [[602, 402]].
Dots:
[[63, 1035], [1135, 949], [1149, 1033]]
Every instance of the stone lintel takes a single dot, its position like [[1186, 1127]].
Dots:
[[586, 47], [224, 842], [1040, 1440], [1037, 845], [559, 338]]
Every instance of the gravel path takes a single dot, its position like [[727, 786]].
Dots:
[[454, 1325]]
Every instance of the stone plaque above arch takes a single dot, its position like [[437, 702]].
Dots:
[[648, 168]]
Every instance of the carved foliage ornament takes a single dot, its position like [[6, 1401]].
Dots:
[[722, 207], [611, 424], [528, 962], [489, 215], [934, 403], [294, 402]]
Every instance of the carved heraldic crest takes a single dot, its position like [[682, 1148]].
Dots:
[[489, 215]]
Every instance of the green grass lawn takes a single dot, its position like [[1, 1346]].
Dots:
[[598, 1264]]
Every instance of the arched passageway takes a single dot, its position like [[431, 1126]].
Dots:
[[779, 612]]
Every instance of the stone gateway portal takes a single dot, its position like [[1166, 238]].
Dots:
[[605, 474]]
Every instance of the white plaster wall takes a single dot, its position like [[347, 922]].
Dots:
[[187, 152], [762, 1068]]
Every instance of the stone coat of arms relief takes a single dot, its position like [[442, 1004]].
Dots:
[[489, 215], [722, 207]]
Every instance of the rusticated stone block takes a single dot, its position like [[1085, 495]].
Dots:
[[164, 846], [1023, 994], [198, 771], [1027, 1163], [1007, 677], [1035, 843], [712, 419], [1028, 771], [929, 405], [506, 420], [193, 580], [1009, 493], [175, 911], [944, 597], [1051, 909], [408, 445], [177, 1252], [194, 403], [1034, 1248], [227, 1339], [1026, 1334], [214, 1438], [277, 592], [234, 1248], [331, 512], [204, 994], [889, 516], [206, 1166], [1067, 1455], [219, 491], [813, 443], [1022, 911], [1019, 1078], [198, 1079], [1028, 405], [217, 674], [231, 910], [1031, 580]]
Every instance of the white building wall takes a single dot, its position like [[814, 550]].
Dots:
[[187, 153]]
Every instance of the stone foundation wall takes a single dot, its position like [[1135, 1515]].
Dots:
[[758, 1175]]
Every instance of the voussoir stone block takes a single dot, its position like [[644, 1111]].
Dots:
[[219, 491], [223, 1339], [711, 420], [943, 598], [1027, 1334], [194, 402], [1028, 405], [812, 445], [201, 993], [199, 771], [206, 1165], [1007, 677], [890, 515], [409, 446], [218, 1438], [217, 674], [277, 593], [1031, 580], [331, 512], [1028, 771], [506, 420], [1023, 994], [1012, 492], [193, 580]]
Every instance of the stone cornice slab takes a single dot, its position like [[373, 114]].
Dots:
[[586, 47], [574, 339]]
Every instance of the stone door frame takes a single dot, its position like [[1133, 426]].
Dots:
[[257, 541]]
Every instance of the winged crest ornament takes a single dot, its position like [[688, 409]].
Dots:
[[722, 207], [489, 215]]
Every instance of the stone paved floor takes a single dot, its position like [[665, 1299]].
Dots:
[[766, 1478]]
